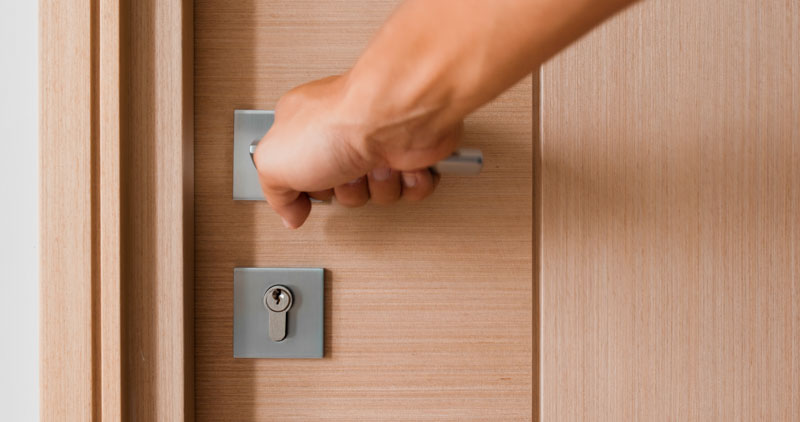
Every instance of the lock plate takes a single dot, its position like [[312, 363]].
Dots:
[[304, 319]]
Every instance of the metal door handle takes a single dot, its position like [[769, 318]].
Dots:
[[463, 162], [249, 126]]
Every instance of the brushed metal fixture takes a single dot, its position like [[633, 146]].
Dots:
[[249, 126], [278, 312], [278, 301]]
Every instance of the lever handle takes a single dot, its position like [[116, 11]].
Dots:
[[463, 162], [254, 124]]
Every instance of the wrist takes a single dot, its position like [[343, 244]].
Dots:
[[392, 113]]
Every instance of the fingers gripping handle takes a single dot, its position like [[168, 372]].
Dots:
[[463, 162], [249, 126]]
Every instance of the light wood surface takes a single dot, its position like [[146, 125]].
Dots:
[[116, 210], [157, 214], [670, 236], [428, 306], [108, 170], [68, 354]]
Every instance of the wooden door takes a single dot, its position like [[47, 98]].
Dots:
[[429, 307], [664, 229], [670, 225]]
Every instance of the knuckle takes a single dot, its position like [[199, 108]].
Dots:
[[286, 102]]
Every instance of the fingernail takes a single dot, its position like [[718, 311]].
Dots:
[[286, 223], [381, 173], [409, 179], [355, 181]]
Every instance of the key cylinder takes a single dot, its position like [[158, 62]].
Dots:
[[278, 301]]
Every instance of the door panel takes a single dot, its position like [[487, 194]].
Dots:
[[428, 306], [670, 236]]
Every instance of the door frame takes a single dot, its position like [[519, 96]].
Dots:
[[105, 145]]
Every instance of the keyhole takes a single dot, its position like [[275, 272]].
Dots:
[[277, 295]]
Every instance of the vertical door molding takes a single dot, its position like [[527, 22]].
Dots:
[[116, 209]]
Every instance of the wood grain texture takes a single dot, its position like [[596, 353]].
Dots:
[[670, 263], [536, 243], [116, 210], [108, 166], [428, 306], [68, 352], [156, 210]]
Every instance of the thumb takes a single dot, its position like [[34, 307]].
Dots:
[[291, 205]]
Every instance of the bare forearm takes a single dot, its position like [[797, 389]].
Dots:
[[371, 133], [435, 61]]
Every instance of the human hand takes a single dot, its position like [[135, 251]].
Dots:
[[402, 104], [327, 141]]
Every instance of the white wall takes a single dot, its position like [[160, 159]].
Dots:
[[19, 211]]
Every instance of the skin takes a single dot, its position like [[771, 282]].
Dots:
[[371, 133]]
